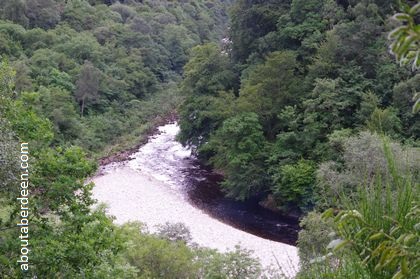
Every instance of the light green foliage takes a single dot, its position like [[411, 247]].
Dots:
[[384, 121], [234, 264], [154, 257], [87, 244], [58, 174], [375, 234], [327, 108], [293, 184], [157, 257], [28, 125], [346, 266]]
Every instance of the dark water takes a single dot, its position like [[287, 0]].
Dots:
[[167, 160], [202, 187]]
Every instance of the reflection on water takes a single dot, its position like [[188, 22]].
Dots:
[[167, 160]]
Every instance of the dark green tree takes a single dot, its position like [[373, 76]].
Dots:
[[87, 86]]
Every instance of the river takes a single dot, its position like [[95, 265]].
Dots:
[[163, 182]]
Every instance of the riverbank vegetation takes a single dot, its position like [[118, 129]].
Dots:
[[76, 79], [306, 109]]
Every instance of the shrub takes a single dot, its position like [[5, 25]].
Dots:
[[381, 225], [362, 161], [174, 232], [294, 183]]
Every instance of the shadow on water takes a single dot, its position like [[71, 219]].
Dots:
[[203, 191]]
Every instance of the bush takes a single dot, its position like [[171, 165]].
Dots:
[[362, 161], [236, 264], [154, 257], [174, 232], [293, 184], [157, 257]]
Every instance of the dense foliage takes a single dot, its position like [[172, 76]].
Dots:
[[310, 91], [113, 64], [76, 78], [296, 80], [293, 107]]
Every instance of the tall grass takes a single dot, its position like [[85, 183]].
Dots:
[[379, 230], [380, 225]]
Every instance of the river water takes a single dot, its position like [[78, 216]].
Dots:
[[163, 182]]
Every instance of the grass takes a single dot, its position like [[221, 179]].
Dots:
[[378, 229]]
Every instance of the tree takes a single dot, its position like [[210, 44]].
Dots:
[[22, 79], [293, 185], [203, 115], [155, 257], [384, 121], [9, 166], [61, 109], [43, 13], [207, 71], [239, 147], [14, 10], [178, 42], [87, 85], [251, 21], [403, 101], [270, 87]]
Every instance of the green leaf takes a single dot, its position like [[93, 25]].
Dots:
[[398, 275], [402, 17], [377, 236], [327, 213]]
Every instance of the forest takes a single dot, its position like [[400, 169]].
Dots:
[[309, 106]]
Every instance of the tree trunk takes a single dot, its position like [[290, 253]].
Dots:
[[82, 108]]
